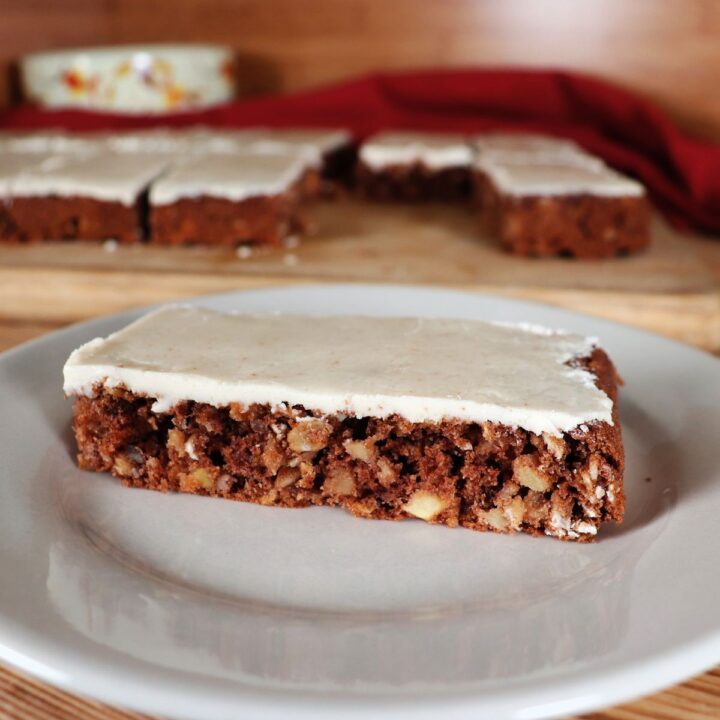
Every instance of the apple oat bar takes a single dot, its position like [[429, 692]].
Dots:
[[486, 426]]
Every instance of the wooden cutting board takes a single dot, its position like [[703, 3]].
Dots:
[[674, 288]]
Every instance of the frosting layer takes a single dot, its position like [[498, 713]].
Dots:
[[51, 141], [531, 148], [192, 141], [434, 150], [12, 164], [116, 178], [313, 144], [199, 141], [558, 178], [233, 177], [420, 369]]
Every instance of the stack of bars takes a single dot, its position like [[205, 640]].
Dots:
[[169, 187], [536, 195]]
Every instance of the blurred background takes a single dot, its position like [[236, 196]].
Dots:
[[666, 50], [655, 55]]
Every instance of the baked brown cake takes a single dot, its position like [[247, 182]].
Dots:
[[414, 167], [248, 197], [12, 163], [538, 195], [91, 196], [564, 208], [60, 186], [492, 427]]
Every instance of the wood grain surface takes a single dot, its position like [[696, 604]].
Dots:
[[23, 698], [666, 50], [673, 289]]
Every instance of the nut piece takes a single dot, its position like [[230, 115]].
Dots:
[[515, 512], [555, 445], [386, 474], [536, 508], [268, 498], [425, 505], [495, 518], [308, 436], [287, 476], [272, 456], [506, 493], [360, 450], [339, 482], [176, 442], [594, 467], [489, 431], [224, 483], [203, 478], [590, 474], [307, 473], [526, 473], [123, 466], [197, 479], [237, 412]]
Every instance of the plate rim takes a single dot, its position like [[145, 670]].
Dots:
[[670, 668]]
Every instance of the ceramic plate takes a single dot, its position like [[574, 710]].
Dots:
[[200, 608]]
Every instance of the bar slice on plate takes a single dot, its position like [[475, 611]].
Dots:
[[461, 422]]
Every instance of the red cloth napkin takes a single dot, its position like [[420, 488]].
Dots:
[[681, 173]]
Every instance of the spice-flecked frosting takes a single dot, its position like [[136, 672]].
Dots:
[[421, 369]]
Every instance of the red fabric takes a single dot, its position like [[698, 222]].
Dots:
[[681, 173]]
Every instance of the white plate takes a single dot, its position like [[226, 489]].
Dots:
[[199, 608]]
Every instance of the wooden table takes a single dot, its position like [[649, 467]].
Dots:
[[673, 289]]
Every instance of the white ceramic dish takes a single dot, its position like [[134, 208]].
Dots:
[[199, 608], [130, 78]]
